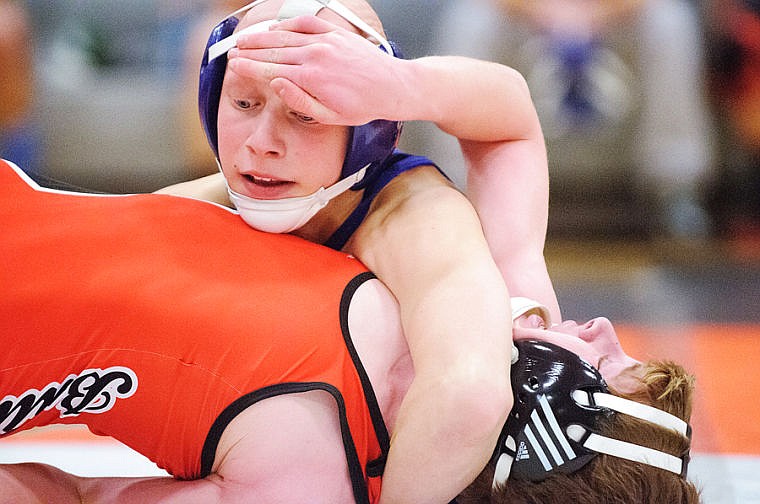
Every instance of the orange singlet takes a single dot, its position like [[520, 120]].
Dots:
[[155, 320]]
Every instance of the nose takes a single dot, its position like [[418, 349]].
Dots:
[[601, 333], [265, 138]]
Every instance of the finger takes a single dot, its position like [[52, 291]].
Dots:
[[279, 38], [258, 69], [304, 24], [296, 98], [280, 55], [290, 32]]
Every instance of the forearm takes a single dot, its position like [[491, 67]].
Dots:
[[489, 108], [450, 419], [155, 489], [37, 483], [509, 188]]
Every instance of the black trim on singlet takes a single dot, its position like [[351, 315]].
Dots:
[[374, 467], [377, 466], [361, 493]]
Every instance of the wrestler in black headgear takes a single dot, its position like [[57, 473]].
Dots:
[[560, 401]]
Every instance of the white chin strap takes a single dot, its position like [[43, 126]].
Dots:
[[288, 214], [291, 9]]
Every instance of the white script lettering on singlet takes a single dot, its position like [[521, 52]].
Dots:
[[91, 391]]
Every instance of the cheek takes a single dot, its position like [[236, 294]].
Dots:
[[326, 149], [231, 135], [224, 131], [622, 382], [332, 140]]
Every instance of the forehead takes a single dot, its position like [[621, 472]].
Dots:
[[269, 9]]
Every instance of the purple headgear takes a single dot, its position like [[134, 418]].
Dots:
[[368, 144]]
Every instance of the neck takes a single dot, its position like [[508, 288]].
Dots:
[[329, 219]]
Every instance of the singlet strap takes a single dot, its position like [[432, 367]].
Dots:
[[396, 164]]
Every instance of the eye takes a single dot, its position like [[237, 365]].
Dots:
[[304, 118], [242, 104]]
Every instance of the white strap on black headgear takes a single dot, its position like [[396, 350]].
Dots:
[[630, 451]]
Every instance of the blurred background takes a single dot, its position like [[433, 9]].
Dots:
[[651, 108], [651, 111]]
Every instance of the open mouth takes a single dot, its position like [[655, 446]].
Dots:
[[264, 181]]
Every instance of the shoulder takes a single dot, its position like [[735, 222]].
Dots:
[[286, 449], [422, 189], [421, 213]]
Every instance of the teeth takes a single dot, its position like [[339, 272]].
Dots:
[[265, 181], [261, 180]]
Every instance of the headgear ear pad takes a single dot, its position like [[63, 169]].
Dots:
[[368, 144], [210, 84], [543, 381]]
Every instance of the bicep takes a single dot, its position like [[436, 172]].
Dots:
[[287, 449], [431, 253]]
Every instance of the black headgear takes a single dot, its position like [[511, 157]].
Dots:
[[559, 401]]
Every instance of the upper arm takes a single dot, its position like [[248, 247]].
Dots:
[[287, 449], [424, 241]]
